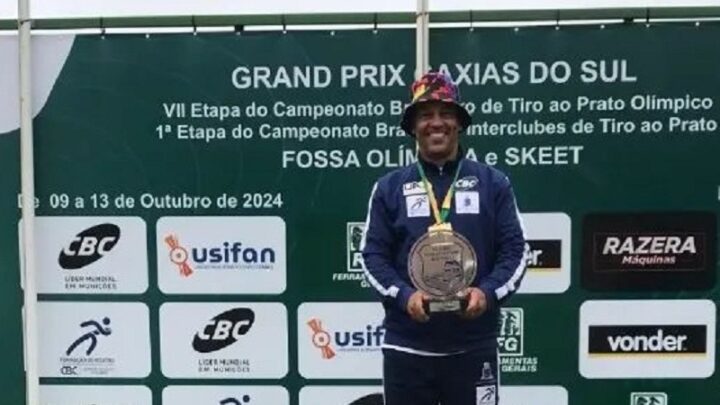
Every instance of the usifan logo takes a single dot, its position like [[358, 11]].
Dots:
[[224, 256], [331, 342]]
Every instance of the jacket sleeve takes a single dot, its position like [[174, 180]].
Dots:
[[511, 250], [377, 250]]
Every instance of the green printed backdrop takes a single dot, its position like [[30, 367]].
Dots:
[[98, 133]]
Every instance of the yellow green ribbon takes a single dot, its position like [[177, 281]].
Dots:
[[442, 213]]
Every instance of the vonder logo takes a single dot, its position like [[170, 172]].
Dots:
[[633, 340]]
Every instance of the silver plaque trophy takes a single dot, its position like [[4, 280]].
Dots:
[[442, 264]]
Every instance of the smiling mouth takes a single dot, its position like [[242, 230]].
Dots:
[[437, 136]]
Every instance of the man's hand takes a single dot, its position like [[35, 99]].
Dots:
[[477, 303], [416, 306]]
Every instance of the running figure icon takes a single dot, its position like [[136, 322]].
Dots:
[[92, 335]]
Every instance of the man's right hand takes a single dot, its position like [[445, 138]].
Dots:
[[416, 306]]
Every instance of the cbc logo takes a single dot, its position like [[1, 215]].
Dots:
[[68, 370], [223, 330], [89, 246]]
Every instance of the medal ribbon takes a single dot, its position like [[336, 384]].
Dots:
[[442, 213]]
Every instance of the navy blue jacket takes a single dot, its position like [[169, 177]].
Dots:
[[483, 210]]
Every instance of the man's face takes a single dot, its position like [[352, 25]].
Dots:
[[436, 129]]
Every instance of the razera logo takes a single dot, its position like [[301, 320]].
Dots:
[[648, 340], [638, 251], [355, 231], [648, 398], [369, 339], [510, 340], [245, 399], [643, 245], [544, 255], [94, 329], [223, 330], [226, 256], [89, 246], [652, 251]]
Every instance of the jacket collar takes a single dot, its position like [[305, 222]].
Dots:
[[449, 167]]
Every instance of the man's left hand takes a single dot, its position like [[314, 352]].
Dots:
[[477, 303]]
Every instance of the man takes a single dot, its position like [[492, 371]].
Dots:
[[444, 357]]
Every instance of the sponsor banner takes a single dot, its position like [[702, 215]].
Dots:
[[372, 395], [511, 343], [340, 340], [647, 339], [94, 340], [90, 255], [213, 125], [649, 251], [221, 255], [223, 340], [548, 265], [225, 395], [341, 395], [95, 395]]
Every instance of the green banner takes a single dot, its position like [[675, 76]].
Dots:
[[202, 199]]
